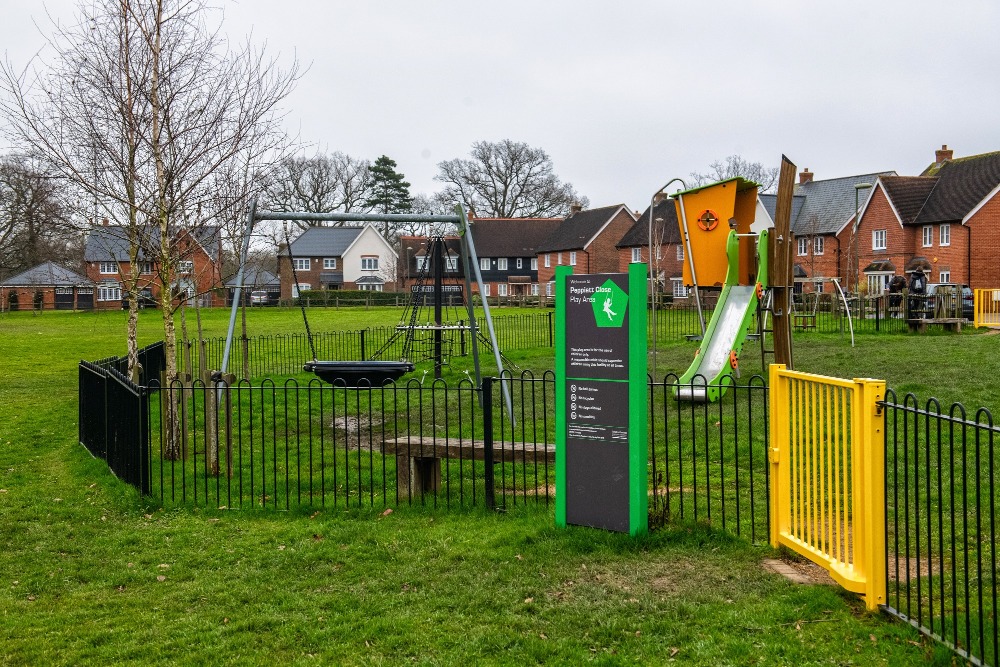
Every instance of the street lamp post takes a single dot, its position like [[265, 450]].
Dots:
[[853, 268]]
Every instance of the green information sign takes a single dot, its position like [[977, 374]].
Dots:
[[601, 400]]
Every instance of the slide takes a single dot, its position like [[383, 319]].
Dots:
[[728, 328]]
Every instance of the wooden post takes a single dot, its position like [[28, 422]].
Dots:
[[781, 265]]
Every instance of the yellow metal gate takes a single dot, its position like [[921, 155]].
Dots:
[[986, 308], [827, 456]]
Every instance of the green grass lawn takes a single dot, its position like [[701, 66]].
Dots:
[[90, 573]]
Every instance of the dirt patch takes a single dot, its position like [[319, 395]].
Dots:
[[902, 568], [799, 571], [358, 432]]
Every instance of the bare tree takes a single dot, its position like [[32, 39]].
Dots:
[[507, 179], [736, 165], [320, 184], [35, 216]]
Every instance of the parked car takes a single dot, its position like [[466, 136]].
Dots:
[[259, 298], [941, 297], [145, 300]]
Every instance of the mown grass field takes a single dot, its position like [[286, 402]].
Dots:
[[90, 573]]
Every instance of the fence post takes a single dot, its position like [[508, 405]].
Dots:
[[869, 488], [780, 480], [461, 336], [549, 313], [363, 355], [487, 391]]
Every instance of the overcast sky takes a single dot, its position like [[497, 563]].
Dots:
[[625, 95]]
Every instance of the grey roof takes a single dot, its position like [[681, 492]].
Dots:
[[574, 232], [770, 203], [110, 243], [331, 276], [369, 280], [255, 277], [511, 237], [47, 275], [829, 204], [961, 185], [324, 241], [667, 229]]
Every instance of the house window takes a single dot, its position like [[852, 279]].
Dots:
[[878, 239], [928, 236], [109, 267], [818, 244], [548, 260], [502, 264], [109, 292], [299, 288], [678, 289], [450, 263], [422, 263], [636, 255], [484, 263], [944, 235], [486, 289], [659, 252], [878, 282], [549, 288], [145, 268], [301, 264], [520, 263], [534, 289], [572, 259], [502, 289], [818, 286], [329, 262], [803, 244], [534, 264], [185, 266], [680, 253], [944, 276], [370, 287], [559, 259], [369, 263]]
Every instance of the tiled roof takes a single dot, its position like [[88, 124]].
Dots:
[[324, 241], [110, 243], [665, 226], [961, 185], [574, 232], [255, 277], [908, 194], [47, 275], [511, 237], [770, 203], [829, 204]]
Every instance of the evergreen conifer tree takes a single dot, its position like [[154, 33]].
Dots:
[[390, 193]]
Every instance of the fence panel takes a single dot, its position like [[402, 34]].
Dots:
[[941, 511], [986, 308], [827, 457]]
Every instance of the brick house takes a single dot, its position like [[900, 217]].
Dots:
[[47, 286], [414, 261], [197, 270], [508, 253], [332, 258], [585, 240], [669, 251], [822, 217], [946, 221]]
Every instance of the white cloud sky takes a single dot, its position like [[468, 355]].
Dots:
[[625, 95]]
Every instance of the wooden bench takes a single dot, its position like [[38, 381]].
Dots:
[[919, 325], [418, 459], [804, 320]]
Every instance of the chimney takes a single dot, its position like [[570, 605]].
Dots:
[[575, 207], [471, 214], [805, 176], [944, 154], [104, 222]]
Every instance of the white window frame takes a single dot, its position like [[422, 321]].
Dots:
[[422, 262], [803, 246], [534, 263], [534, 289], [330, 263], [145, 268], [944, 276], [484, 263], [369, 262], [636, 255], [501, 263], [520, 263], [502, 289], [818, 245], [109, 268], [550, 288], [559, 259], [451, 263], [878, 239], [678, 288], [185, 266], [680, 252], [944, 235], [548, 260], [301, 263], [927, 236], [878, 281], [486, 289], [298, 288], [572, 258], [109, 292]]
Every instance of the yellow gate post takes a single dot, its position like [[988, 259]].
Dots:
[[827, 457]]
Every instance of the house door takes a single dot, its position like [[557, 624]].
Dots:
[[64, 298], [85, 298]]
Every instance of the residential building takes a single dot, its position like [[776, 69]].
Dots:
[[946, 221], [668, 251], [255, 279], [585, 240], [508, 253], [195, 275], [47, 286], [329, 258]]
